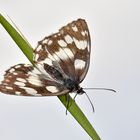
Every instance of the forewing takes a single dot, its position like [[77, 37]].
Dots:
[[76, 35], [68, 51], [26, 80]]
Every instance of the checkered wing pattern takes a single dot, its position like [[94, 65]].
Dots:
[[26, 80], [59, 58]]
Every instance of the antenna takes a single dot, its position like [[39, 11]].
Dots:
[[109, 89], [90, 102], [100, 89]]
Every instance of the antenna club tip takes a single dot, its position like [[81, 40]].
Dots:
[[113, 90]]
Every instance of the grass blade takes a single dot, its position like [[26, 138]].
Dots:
[[28, 51]]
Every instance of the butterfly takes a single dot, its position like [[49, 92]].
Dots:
[[61, 64]]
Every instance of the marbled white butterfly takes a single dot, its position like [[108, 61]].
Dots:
[[61, 63]]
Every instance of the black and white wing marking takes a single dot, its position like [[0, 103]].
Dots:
[[26, 80], [59, 58], [67, 51]]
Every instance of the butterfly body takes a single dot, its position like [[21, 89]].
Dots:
[[70, 84], [61, 63]]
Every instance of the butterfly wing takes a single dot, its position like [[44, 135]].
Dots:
[[26, 80], [80, 46], [68, 51]]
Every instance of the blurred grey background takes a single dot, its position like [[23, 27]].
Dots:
[[115, 63]]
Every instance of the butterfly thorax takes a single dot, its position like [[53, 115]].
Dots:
[[73, 86]]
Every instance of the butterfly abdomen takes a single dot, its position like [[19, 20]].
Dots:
[[53, 72]]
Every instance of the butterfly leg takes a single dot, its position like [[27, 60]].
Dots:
[[69, 102]]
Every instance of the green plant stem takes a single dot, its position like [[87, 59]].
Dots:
[[80, 117], [28, 51]]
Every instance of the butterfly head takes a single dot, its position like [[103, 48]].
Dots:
[[80, 90]]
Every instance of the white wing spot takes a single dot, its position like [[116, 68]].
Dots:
[[80, 44], [14, 73], [56, 57], [19, 84], [83, 33], [84, 44], [69, 53], [62, 54], [45, 41], [18, 93], [68, 39], [51, 57], [27, 65], [11, 70], [47, 61], [36, 56], [79, 64], [52, 89], [74, 28], [62, 43], [31, 91], [18, 66], [9, 88], [88, 47], [5, 84], [39, 48], [34, 80], [21, 80], [50, 42], [35, 71], [7, 80], [86, 33]]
